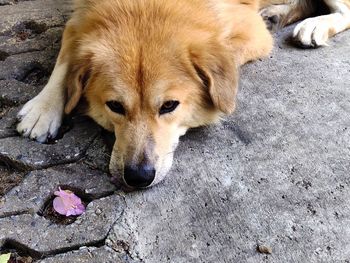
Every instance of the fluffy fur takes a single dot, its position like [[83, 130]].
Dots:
[[143, 54]]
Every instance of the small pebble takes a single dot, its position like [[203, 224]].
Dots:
[[264, 249], [98, 211]]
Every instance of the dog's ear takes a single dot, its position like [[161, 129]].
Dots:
[[77, 79], [215, 67]]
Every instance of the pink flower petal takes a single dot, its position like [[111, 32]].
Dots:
[[59, 206], [70, 212], [67, 203]]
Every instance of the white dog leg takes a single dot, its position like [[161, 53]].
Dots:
[[41, 117], [314, 32]]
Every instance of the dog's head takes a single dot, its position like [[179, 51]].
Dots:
[[149, 85]]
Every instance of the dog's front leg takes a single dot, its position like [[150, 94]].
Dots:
[[41, 117], [315, 31]]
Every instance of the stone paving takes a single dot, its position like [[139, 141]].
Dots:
[[276, 173]]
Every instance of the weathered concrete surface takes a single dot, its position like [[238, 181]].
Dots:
[[91, 255], [8, 122], [26, 154], [15, 92], [38, 186], [43, 238], [99, 152], [275, 173]]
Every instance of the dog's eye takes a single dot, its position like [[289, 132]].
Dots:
[[169, 106], [116, 107]]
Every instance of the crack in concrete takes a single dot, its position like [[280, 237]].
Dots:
[[98, 245], [26, 52], [122, 245], [27, 168], [126, 249], [9, 136], [17, 213], [19, 247], [37, 255], [16, 29], [15, 2], [30, 211], [21, 167]]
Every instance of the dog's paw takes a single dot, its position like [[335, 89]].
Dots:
[[40, 118], [312, 32], [273, 16]]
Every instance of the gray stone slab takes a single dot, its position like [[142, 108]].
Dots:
[[26, 154], [42, 238], [90, 255], [14, 92], [9, 179], [32, 68], [11, 2], [276, 173], [50, 12], [8, 122], [99, 153], [6, 2], [39, 186], [11, 45]]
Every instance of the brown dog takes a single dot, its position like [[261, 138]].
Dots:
[[151, 69]]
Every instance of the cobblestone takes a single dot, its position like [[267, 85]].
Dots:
[[38, 187], [14, 92], [8, 123], [25, 154], [40, 237]]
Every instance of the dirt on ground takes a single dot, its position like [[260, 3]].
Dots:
[[8, 179]]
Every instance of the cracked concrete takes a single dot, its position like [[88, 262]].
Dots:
[[275, 173], [91, 255], [25, 154], [42, 238], [37, 186]]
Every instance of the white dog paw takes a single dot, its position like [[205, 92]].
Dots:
[[40, 119], [312, 32], [273, 15]]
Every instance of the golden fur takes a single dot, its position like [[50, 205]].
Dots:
[[143, 54]]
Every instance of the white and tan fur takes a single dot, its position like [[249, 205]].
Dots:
[[190, 53], [314, 31]]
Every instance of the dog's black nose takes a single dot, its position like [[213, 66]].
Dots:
[[140, 176]]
